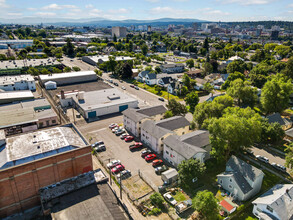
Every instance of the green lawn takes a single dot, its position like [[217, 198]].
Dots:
[[179, 196]]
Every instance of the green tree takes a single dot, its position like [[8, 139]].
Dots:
[[243, 92], [158, 69], [157, 200], [115, 38], [236, 66], [288, 71], [111, 64], [271, 133], [144, 49], [168, 114], [68, 48], [275, 95], [190, 63], [189, 170], [176, 108], [158, 89], [206, 43], [232, 77], [283, 50], [207, 68], [56, 70], [237, 129], [208, 87], [67, 69], [192, 100], [76, 68], [206, 204]]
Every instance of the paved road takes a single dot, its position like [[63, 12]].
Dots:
[[273, 156], [71, 62]]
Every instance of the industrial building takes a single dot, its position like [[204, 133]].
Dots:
[[94, 60], [31, 161], [17, 44], [94, 104], [119, 31], [74, 194], [26, 116], [18, 82], [13, 96], [69, 78]]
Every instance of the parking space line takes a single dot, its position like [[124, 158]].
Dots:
[[92, 132]]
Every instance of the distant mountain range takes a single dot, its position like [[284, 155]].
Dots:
[[102, 22]]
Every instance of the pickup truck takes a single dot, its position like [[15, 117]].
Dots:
[[183, 206]]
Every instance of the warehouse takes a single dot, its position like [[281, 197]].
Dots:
[[19, 82], [37, 159], [102, 102], [94, 60], [17, 44], [69, 78], [13, 96]]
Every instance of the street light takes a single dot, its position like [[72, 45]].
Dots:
[[110, 170]]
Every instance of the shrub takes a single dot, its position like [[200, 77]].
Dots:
[[155, 211]]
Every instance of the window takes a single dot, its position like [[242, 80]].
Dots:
[[167, 152], [221, 181], [230, 180], [143, 135], [230, 186], [54, 121], [41, 124], [270, 208]]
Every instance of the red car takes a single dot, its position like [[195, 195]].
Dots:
[[129, 138], [118, 169], [132, 86], [157, 163], [150, 157], [136, 145]]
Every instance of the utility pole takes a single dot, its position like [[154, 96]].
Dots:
[[120, 186], [73, 115]]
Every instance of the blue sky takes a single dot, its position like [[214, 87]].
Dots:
[[212, 10]]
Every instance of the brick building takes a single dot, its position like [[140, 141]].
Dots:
[[31, 161]]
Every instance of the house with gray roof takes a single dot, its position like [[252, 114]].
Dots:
[[194, 145], [133, 118], [172, 68], [141, 76], [285, 123], [153, 133], [275, 204], [151, 79], [241, 179]]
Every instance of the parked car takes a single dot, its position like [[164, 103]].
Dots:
[[129, 138], [150, 157], [157, 162], [135, 146], [145, 153], [113, 163], [113, 125], [279, 167], [119, 131], [132, 86], [121, 80], [170, 199], [262, 158], [116, 84], [124, 174], [116, 129], [117, 169], [161, 99], [123, 136], [136, 87], [100, 148], [123, 87], [183, 206], [249, 152], [161, 169]]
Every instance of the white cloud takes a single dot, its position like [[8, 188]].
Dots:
[[14, 14], [209, 11], [119, 11], [32, 9], [95, 12], [162, 11], [3, 4], [58, 7], [291, 5], [247, 2], [153, 1], [46, 14], [89, 6]]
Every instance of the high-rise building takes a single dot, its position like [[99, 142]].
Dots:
[[119, 31]]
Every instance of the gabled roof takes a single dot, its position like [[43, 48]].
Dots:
[[151, 128], [133, 114], [151, 75], [276, 117], [166, 80], [280, 199], [199, 138], [143, 73], [138, 114], [173, 123]]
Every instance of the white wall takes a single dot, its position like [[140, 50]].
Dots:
[[258, 208], [21, 85], [131, 126]]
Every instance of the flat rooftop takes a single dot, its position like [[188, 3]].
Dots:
[[87, 196], [36, 145], [5, 80], [56, 76], [102, 98], [17, 64], [105, 58], [16, 94]]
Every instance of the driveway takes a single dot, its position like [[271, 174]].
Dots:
[[273, 156]]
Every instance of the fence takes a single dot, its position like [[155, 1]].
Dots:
[[148, 181]]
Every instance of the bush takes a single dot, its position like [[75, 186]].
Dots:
[[155, 211], [157, 199], [76, 68]]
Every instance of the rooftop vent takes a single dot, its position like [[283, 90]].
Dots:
[[38, 147]]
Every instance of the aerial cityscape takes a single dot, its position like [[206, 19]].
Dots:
[[146, 109]]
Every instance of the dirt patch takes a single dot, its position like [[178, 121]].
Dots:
[[137, 187]]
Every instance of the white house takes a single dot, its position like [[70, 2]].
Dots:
[[276, 203], [172, 68], [151, 79], [19, 82], [231, 59], [50, 85], [194, 145], [164, 81], [133, 118], [241, 179], [153, 133], [141, 76]]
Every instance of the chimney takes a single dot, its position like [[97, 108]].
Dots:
[[62, 94]]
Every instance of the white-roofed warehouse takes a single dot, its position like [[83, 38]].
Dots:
[[69, 78]]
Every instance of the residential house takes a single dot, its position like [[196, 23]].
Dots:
[[141, 76], [194, 145], [212, 97], [231, 59], [172, 68], [286, 123], [241, 179], [153, 133], [165, 81], [195, 73], [174, 87], [276, 203], [109, 50], [133, 118], [151, 79]]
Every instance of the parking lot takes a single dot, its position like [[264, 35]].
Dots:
[[118, 149]]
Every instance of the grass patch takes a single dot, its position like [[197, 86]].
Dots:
[[179, 196]]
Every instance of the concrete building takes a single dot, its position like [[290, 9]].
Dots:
[[153, 133], [194, 145], [69, 78], [74, 194], [172, 68], [14, 96], [50, 85], [276, 203], [133, 118], [18, 64], [94, 60], [34, 160], [241, 179], [17, 44], [27, 116], [119, 31], [18, 82]]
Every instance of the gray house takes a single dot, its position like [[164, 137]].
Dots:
[[241, 179]]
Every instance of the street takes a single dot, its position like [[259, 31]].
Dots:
[[272, 156], [71, 62]]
